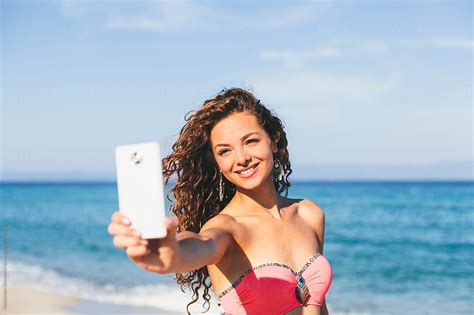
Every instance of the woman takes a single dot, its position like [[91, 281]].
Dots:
[[261, 251]]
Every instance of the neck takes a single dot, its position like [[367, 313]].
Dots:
[[263, 199]]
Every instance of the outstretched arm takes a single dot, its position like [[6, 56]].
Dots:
[[206, 248], [177, 252]]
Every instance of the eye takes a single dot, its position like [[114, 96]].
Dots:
[[254, 140], [223, 151]]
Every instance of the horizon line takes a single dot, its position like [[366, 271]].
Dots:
[[316, 180]]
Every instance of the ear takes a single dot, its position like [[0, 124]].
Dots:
[[274, 148], [274, 144]]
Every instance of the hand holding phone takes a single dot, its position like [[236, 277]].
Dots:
[[127, 238], [154, 255]]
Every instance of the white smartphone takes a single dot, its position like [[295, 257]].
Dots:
[[140, 187]]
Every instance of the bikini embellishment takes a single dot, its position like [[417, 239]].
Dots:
[[302, 291]]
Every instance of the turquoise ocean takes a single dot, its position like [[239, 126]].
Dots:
[[395, 247]]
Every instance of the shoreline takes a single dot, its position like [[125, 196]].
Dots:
[[32, 301], [25, 300]]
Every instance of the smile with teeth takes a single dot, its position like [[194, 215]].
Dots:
[[248, 172]]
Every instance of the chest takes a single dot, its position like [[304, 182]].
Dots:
[[258, 241], [261, 239]]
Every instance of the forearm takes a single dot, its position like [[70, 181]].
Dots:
[[194, 252]]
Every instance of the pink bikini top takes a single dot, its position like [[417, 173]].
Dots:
[[274, 288]]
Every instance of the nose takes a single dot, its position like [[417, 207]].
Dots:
[[243, 158]]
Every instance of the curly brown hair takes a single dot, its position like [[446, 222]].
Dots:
[[195, 195]]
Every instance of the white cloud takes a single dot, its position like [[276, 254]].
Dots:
[[452, 42], [337, 47], [381, 47], [286, 17], [163, 16], [297, 59], [191, 15], [323, 88]]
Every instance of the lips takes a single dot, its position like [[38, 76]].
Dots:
[[249, 171]]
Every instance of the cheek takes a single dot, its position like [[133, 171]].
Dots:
[[264, 152], [224, 163]]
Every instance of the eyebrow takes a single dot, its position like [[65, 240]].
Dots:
[[227, 145]]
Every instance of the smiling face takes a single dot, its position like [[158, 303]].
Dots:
[[243, 150]]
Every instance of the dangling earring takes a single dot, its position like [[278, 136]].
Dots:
[[221, 187], [277, 169]]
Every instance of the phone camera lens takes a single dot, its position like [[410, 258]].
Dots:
[[136, 157]]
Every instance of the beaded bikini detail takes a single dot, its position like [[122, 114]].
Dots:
[[301, 290]]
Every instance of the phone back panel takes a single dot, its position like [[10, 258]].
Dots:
[[140, 187]]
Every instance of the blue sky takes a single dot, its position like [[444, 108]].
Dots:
[[366, 89]]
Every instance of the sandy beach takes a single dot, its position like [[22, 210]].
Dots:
[[34, 301]]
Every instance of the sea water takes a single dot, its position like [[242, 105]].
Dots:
[[395, 247]]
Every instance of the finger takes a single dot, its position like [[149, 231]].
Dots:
[[120, 229], [136, 251], [125, 241], [171, 224], [117, 217]]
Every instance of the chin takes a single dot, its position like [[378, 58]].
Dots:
[[250, 184]]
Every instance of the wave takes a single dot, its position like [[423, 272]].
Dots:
[[162, 296]]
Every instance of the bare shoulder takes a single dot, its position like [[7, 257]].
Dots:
[[311, 210], [313, 215], [220, 221]]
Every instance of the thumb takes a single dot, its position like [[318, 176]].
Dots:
[[171, 224]]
